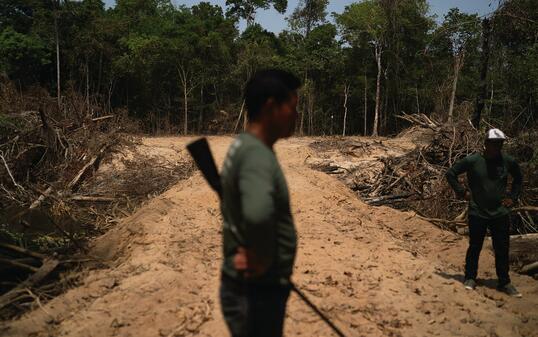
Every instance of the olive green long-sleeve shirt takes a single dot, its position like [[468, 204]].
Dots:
[[488, 182], [256, 209]]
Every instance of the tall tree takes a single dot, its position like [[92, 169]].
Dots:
[[307, 15], [363, 24], [246, 9], [462, 32]]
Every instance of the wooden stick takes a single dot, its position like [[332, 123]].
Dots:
[[41, 198], [23, 251], [525, 209], [9, 173], [48, 266], [85, 198], [78, 178], [443, 221], [102, 118], [17, 264]]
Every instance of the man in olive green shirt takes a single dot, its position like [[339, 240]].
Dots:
[[489, 205], [259, 238]]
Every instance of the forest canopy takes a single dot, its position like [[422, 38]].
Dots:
[[181, 69]]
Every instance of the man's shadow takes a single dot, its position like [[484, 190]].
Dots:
[[488, 283]]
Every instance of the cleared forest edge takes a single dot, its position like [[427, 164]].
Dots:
[[375, 270]]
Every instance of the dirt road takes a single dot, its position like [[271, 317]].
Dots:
[[374, 270]]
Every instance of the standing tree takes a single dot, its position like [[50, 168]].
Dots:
[[462, 32], [366, 24], [308, 15], [246, 9]]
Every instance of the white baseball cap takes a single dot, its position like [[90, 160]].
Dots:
[[495, 134]]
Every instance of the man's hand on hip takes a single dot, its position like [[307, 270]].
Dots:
[[246, 263]]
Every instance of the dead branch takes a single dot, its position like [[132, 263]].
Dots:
[[525, 209], [46, 268], [41, 198], [83, 198], [92, 163], [102, 118], [17, 264], [22, 250], [9, 172]]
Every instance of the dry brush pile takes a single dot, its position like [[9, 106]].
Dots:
[[415, 180], [52, 196]]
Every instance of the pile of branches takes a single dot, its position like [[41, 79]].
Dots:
[[53, 199], [47, 152], [416, 180]]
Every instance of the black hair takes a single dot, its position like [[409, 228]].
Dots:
[[265, 84]]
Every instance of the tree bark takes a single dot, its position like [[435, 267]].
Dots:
[[184, 78], [365, 105], [201, 117], [418, 101], [484, 60], [378, 52], [240, 115], [310, 112], [87, 86], [346, 95], [186, 110], [58, 83], [458, 63]]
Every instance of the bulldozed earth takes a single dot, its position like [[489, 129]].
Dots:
[[375, 270]]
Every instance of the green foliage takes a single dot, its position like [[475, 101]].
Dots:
[[246, 9], [307, 15], [22, 55], [363, 22], [176, 66]]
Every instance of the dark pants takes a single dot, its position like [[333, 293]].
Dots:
[[500, 236], [253, 310]]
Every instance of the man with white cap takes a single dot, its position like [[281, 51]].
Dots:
[[489, 205]]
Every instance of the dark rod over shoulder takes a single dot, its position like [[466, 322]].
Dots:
[[201, 153]]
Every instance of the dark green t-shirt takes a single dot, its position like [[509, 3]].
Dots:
[[488, 182], [256, 209]]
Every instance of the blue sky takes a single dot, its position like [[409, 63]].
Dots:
[[275, 22]]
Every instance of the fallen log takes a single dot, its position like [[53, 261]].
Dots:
[[46, 268], [530, 268]]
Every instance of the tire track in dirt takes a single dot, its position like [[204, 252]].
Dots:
[[375, 271]]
